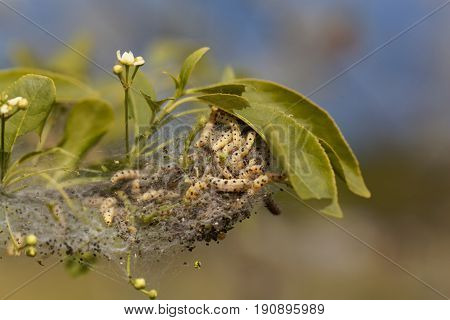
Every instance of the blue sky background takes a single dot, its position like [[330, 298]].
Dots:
[[403, 85]]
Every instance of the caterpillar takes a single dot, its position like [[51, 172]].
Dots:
[[223, 169], [207, 130], [107, 209], [226, 173], [245, 149], [258, 183], [157, 194], [228, 148], [222, 141], [224, 118], [108, 215], [230, 185], [194, 190], [124, 175], [276, 177], [135, 187], [236, 131], [228, 120], [251, 171]]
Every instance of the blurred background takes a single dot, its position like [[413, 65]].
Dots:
[[393, 108]]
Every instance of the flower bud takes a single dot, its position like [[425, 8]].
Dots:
[[139, 283], [30, 240], [23, 103], [117, 69], [31, 252], [139, 61], [152, 294]]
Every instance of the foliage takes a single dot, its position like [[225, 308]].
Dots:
[[304, 140]]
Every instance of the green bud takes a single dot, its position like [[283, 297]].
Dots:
[[138, 283], [117, 69], [152, 294], [31, 251], [30, 240]]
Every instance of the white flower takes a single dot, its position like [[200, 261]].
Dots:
[[127, 58], [20, 102], [139, 61], [13, 102], [5, 109]]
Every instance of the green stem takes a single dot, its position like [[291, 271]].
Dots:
[[2, 149], [170, 107], [127, 88], [127, 142], [129, 264]]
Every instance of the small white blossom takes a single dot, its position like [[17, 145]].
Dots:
[[127, 58], [20, 102], [5, 109], [15, 101], [139, 61]]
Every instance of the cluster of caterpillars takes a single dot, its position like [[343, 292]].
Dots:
[[239, 173], [132, 191], [232, 167]]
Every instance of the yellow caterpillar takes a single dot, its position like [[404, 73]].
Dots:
[[223, 169], [194, 190], [206, 132], [230, 185], [245, 149], [236, 131], [251, 171], [226, 119], [157, 194], [135, 187], [228, 148], [261, 181], [223, 141], [107, 209], [124, 175]]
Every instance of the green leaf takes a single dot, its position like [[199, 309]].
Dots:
[[87, 122], [40, 93], [305, 162], [296, 149], [68, 89], [225, 88], [155, 106], [138, 105], [270, 101], [188, 66]]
